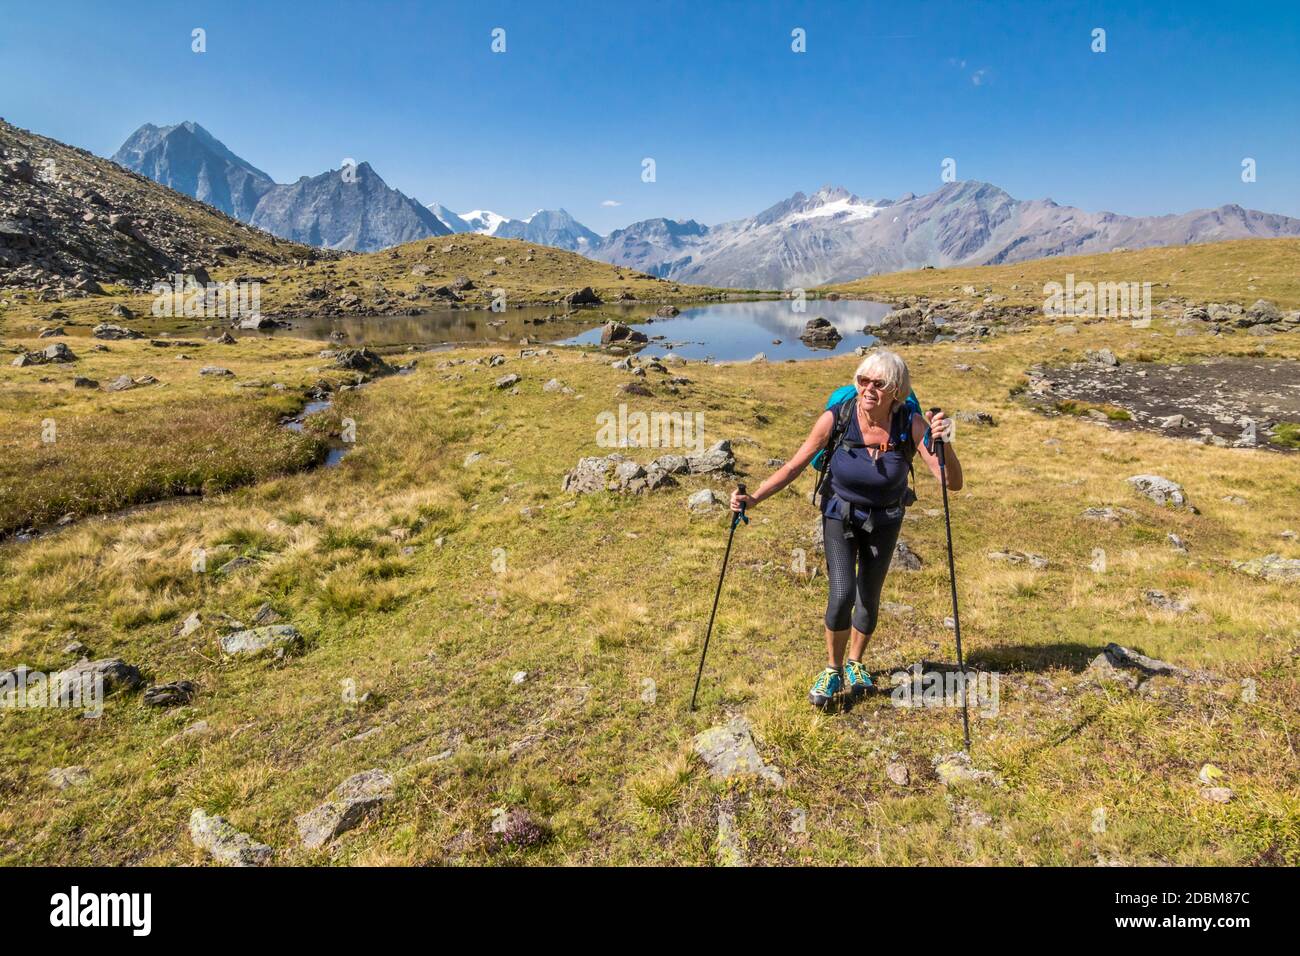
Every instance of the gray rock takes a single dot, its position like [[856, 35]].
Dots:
[[215, 370], [976, 418], [1102, 357], [731, 846], [905, 558], [729, 752], [236, 564], [508, 381], [820, 333], [898, 773], [956, 768], [275, 639], [1271, 567], [617, 332], [106, 330], [224, 843], [672, 464], [1117, 656], [113, 673], [58, 352], [362, 360], [1177, 542], [62, 778], [704, 501], [1019, 557], [1162, 491], [174, 694], [1163, 602], [717, 459], [351, 802], [1115, 515], [590, 475]]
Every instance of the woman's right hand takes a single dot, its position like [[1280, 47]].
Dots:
[[737, 500]]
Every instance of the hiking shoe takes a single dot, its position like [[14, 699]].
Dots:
[[825, 687], [856, 678]]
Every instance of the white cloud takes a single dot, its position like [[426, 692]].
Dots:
[[978, 77], [611, 202]]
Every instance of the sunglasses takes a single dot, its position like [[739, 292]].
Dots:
[[877, 384]]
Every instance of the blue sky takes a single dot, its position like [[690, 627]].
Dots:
[[734, 119]]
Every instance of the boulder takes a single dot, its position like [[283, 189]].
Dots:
[[584, 296], [362, 360], [728, 751], [274, 639], [717, 459], [704, 501], [62, 778], [906, 325], [107, 330], [905, 558], [224, 843], [1271, 567], [175, 694], [1117, 657], [351, 802], [1162, 491], [216, 371], [58, 352], [113, 673], [820, 333], [618, 332]]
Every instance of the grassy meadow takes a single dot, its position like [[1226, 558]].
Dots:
[[424, 583]]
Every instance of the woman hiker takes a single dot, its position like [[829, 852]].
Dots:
[[863, 493]]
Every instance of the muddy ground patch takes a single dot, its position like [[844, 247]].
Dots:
[[1246, 402]]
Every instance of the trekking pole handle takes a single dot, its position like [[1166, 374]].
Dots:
[[740, 515], [935, 409]]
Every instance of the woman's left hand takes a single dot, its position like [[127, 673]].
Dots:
[[941, 426]]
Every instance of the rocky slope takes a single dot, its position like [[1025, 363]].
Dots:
[[71, 222]]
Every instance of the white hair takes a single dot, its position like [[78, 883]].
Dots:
[[889, 367]]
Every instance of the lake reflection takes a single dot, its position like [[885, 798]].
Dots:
[[722, 331]]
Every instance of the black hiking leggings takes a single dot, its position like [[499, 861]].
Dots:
[[856, 566]]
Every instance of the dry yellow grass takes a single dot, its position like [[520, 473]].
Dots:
[[1240, 271], [592, 597]]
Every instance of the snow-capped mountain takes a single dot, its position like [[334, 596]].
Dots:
[[448, 218], [482, 221], [550, 228], [834, 236]]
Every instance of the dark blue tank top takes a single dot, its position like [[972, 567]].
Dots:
[[867, 482]]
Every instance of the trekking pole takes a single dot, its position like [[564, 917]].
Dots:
[[735, 520], [940, 452]]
